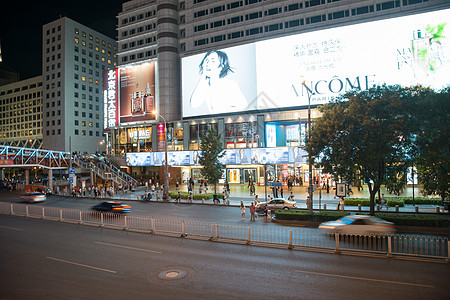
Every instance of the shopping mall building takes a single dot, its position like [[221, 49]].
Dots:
[[252, 69]]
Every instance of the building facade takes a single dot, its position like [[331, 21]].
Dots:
[[177, 37], [21, 113], [73, 60]]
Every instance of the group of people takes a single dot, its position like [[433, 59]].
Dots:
[[253, 213]]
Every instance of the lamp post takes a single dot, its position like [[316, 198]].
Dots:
[[166, 165], [310, 188]]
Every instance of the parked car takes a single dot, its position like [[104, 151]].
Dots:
[[358, 225], [34, 197], [274, 204], [112, 206]]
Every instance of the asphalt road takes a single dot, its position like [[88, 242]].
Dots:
[[52, 260]]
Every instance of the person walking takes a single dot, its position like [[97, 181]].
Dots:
[[266, 211], [242, 211], [252, 212], [281, 191], [256, 200]]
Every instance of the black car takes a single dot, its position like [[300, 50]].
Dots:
[[112, 206]]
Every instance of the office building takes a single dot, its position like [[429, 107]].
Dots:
[[73, 60], [280, 58]]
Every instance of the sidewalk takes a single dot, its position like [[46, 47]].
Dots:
[[240, 193]]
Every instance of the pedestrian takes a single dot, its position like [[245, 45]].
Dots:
[[256, 200], [190, 198], [252, 212], [291, 196], [308, 202], [224, 196], [341, 202], [281, 191], [265, 213], [179, 197], [242, 211], [176, 186]]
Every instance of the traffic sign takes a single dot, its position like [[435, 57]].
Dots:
[[72, 171]]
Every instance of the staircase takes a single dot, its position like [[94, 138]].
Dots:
[[106, 172]]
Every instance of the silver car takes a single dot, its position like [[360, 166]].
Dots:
[[358, 225], [276, 203], [34, 197]]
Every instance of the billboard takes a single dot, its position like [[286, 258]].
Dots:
[[407, 51], [129, 94], [137, 92], [247, 156], [110, 99]]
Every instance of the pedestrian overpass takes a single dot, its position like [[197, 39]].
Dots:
[[29, 158]]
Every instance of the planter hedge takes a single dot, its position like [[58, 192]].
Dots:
[[416, 220], [391, 202], [185, 195], [300, 215]]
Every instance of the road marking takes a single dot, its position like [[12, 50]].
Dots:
[[131, 248], [11, 228], [81, 265], [367, 279]]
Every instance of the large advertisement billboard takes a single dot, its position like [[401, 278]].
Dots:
[[137, 92], [407, 51], [129, 94]]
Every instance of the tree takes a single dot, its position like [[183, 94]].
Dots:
[[211, 150], [363, 132], [433, 142]]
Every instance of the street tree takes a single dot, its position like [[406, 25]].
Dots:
[[211, 150], [364, 133], [432, 156]]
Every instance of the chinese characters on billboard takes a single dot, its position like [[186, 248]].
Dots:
[[110, 115]]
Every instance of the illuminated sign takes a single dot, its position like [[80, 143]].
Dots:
[[268, 74], [140, 134], [110, 115], [137, 92], [261, 156]]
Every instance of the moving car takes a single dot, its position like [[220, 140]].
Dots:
[[358, 225], [45, 191], [34, 197], [274, 204], [112, 206]]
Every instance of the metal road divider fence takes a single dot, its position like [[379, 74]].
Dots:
[[395, 245]]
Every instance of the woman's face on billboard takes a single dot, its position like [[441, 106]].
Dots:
[[212, 65]]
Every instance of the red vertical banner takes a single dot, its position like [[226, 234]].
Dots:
[[161, 137]]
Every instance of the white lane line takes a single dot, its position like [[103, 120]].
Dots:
[[81, 265], [126, 247], [11, 228], [367, 279]]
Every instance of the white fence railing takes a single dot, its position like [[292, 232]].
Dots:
[[396, 245]]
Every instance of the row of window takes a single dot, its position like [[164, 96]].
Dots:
[[84, 132], [138, 17], [97, 40], [53, 30], [289, 24], [15, 127], [22, 133], [138, 30], [132, 44], [17, 100], [150, 53], [86, 123], [12, 122], [23, 88]]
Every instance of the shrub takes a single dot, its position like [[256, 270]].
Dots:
[[416, 220], [303, 215], [185, 195]]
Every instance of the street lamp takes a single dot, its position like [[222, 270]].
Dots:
[[310, 188], [166, 166]]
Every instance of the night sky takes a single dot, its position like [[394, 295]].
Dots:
[[21, 27]]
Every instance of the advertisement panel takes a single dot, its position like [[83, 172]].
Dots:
[[407, 51], [281, 155], [137, 92], [110, 96]]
